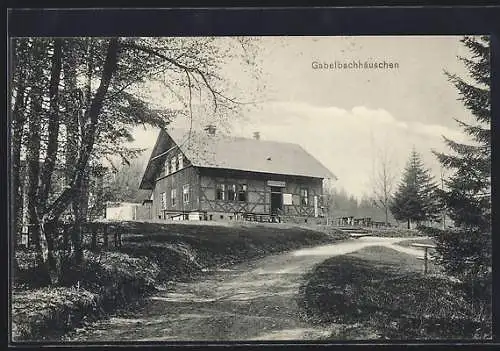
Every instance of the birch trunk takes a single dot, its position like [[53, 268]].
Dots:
[[33, 164], [53, 127], [18, 81]]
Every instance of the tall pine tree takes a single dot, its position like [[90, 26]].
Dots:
[[465, 252], [415, 199]]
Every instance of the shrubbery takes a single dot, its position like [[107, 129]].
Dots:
[[105, 280]]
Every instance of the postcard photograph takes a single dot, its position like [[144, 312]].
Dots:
[[279, 188]]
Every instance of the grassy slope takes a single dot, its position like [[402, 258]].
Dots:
[[184, 249], [381, 293]]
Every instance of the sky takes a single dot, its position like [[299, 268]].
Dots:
[[348, 118]]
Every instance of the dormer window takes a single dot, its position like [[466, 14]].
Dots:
[[181, 161], [167, 167], [173, 164]]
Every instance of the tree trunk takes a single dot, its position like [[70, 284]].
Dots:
[[53, 128], [409, 227], [76, 238], [106, 238], [49, 229], [72, 109], [33, 155], [66, 275], [93, 243], [18, 122]]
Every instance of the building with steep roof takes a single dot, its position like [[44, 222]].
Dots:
[[204, 175]]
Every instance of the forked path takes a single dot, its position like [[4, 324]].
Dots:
[[251, 301]]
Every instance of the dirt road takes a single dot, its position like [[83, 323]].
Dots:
[[251, 301]]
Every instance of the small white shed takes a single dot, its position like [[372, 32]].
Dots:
[[127, 211]]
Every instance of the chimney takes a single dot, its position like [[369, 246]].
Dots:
[[210, 128], [256, 135]]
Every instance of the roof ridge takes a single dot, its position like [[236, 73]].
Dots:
[[229, 136]]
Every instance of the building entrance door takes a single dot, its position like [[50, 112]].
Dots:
[[276, 200]]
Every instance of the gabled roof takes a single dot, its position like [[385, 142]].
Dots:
[[236, 153]]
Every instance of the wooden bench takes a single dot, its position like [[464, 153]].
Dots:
[[359, 235], [261, 217]]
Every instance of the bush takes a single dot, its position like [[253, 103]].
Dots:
[[466, 255], [105, 281], [41, 313]]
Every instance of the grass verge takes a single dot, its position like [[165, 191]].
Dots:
[[396, 232], [381, 293], [184, 250]]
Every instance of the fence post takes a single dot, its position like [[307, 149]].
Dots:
[[425, 261], [105, 233], [93, 243], [115, 236], [66, 229]]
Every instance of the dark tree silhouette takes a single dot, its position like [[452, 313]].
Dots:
[[415, 199], [465, 251]]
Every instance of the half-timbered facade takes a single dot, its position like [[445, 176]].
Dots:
[[198, 175]]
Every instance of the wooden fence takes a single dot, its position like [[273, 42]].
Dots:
[[94, 235]]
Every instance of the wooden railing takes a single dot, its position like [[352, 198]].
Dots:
[[94, 235]]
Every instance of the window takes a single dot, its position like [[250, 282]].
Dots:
[[163, 201], [173, 163], [167, 167], [242, 193], [304, 197], [220, 192], [185, 193], [173, 196], [231, 192], [181, 161]]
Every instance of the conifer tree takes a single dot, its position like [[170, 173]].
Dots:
[[415, 199], [465, 251]]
